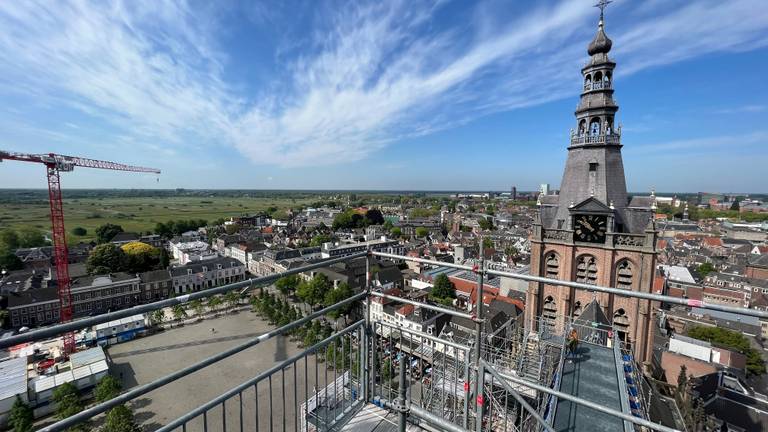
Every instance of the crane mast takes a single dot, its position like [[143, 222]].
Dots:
[[54, 164]]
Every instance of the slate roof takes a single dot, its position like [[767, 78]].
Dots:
[[593, 313], [155, 276], [759, 261], [21, 298], [125, 237]]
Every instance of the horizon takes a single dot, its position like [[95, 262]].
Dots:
[[497, 191], [434, 96]]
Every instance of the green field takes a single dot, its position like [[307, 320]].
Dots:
[[137, 214]]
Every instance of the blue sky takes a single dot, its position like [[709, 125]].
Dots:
[[434, 95]]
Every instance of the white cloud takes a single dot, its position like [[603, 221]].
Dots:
[[373, 74]]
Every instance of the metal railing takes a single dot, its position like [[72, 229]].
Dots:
[[332, 398], [351, 361]]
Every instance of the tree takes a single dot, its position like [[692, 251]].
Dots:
[[157, 317], [735, 205], [164, 260], [179, 311], [232, 228], [335, 295], [313, 292], [319, 239], [9, 261], [486, 224], [21, 416], [396, 232], [107, 388], [682, 381], [232, 298], [421, 232], [140, 257], [214, 302], [386, 370], [79, 231], [732, 340], [288, 284], [511, 251], [443, 291], [374, 217], [105, 258], [705, 268], [9, 240], [106, 232], [31, 237], [487, 243], [120, 419], [387, 225], [197, 306], [67, 400]]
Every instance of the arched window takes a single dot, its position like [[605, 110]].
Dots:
[[594, 126], [607, 78], [621, 324], [586, 269], [598, 76], [588, 81], [549, 309], [582, 127], [576, 309], [624, 275], [552, 266], [608, 125]]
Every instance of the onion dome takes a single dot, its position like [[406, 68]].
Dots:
[[601, 43]]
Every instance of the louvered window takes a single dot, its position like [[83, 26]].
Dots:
[[586, 270], [552, 266], [624, 275]]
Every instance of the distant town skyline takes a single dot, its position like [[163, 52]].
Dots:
[[436, 96]]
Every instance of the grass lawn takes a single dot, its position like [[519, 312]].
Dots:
[[137, 214]]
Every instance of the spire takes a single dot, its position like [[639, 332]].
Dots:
[[601, 43]]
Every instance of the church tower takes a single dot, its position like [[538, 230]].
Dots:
[[592, 232]]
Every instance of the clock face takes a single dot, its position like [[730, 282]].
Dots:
[[590, 228]]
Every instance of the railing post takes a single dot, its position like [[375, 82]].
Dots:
[[400, 403], [480, 398], [366, 363], [479, 338]]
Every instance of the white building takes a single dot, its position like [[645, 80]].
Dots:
[[85, 370], [13, 382], [190, 251]]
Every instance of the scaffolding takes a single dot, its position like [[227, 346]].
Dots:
[[481, 383]]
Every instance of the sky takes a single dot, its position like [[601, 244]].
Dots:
[[406, 95]]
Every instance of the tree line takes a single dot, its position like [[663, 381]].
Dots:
[[68, 402], [279, 312], [11, 239]]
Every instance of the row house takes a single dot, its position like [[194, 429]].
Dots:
[[38, 304], [383, 245], [93, 295], [745, 286], [201, 275]]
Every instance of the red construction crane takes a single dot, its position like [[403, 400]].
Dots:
[[55, 163]]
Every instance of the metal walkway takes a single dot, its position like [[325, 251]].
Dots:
[[592, 376]]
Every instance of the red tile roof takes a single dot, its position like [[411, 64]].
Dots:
[[406, 309], [713, 241]]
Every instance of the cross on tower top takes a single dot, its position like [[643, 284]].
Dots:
[[602, 4]]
